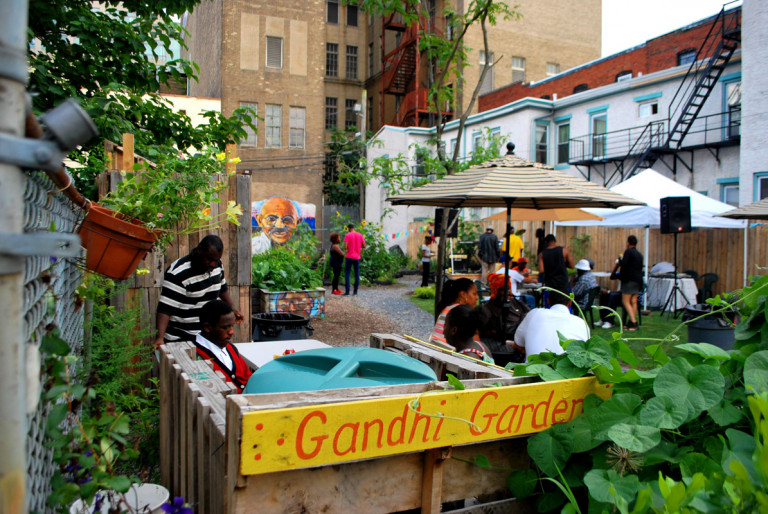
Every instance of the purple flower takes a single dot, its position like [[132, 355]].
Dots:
[[177, 506]]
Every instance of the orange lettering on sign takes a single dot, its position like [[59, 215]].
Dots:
[[489, 416], [369, 424], [318, 439], [352, 444]]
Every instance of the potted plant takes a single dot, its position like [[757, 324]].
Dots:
[[149, 207]]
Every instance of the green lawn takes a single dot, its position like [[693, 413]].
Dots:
[[654, 328]]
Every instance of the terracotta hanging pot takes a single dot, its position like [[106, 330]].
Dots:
[[114, 246]]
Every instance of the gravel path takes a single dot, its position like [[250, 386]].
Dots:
[[351, 319]]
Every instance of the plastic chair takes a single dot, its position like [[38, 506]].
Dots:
[[483, 291], [589, 311], [705, 291]]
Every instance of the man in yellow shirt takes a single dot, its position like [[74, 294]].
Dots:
[[515, 245]]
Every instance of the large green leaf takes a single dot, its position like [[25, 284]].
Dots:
[[705, 350], [725, 413], [583, 439], [619, 408], [551, 449], [663, 412], [545, 372], [586, 354], [693, 463], [698, 388], [605, 484], [522, 483], [741, 447], [638, 438], [756, 372], [567, 369]]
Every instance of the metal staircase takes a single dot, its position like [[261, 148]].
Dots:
[[697, 84]]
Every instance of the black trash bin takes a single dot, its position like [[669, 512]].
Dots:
[[280, 326], [716, 329]]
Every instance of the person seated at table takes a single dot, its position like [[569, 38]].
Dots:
[[584, 282], [461, 291], [612, 300], [492, 333], [214, 343], [519, 274], [461, 325], [539, 330]]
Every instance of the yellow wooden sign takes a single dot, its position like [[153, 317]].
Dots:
[[317, 435]]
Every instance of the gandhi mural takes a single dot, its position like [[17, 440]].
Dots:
[[274, 221]]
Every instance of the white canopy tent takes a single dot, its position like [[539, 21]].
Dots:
[[650, 187]]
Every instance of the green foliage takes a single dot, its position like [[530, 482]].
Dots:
[[580, 246], [305, 244], [425, 293], [469, 233], [176, 192], [103, 426], [282, 269], [686, 435], [377, 264], [344, 166]]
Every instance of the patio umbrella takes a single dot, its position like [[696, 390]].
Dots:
[[544, 215], [512, 181], [753, 211]]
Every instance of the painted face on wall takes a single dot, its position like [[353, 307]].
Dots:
[[278, 219]]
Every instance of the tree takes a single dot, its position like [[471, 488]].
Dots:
[[447, 58], [110, 60]]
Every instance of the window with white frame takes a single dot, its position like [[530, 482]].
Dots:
[[452, 147], [623, 75], [477, 141], [487, 86], [273, 124], [352, 15], [274, 52], [332, 12], [599, 128], [297, 127], [518, 69], [647, 109], [331, 112], [251, 139], [331, 60], [541, 150], [733, 107], [729, 193], [351, 62], [563, 142], [761, 186], [686, 56], [553, 69]]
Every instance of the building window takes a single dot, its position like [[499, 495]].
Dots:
[[542, 143], [274, 52], [351, 15], [761, 186], [351, 62], [418, 167], [332, 12], [452, 147], [733, 108], [644, 110], [331, 60], [552, 69], [350, 116], [624, 75], [477, 141], [251, 139], [273, 123], [370, 59], [563, 143], [599, 128], [686, 56], [297, 127], [331, 112], [729, 193], [487, 86], [580, 88], [518, 69], [449, 28]]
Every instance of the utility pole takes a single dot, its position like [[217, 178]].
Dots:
[[363, 111]]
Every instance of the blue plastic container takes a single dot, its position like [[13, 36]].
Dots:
[[337, 368]]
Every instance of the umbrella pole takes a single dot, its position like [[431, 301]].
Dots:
[[506, 249]]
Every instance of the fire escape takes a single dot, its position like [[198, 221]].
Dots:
[[403, 68], [662, 138]]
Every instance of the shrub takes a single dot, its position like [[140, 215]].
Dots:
[[281, 269], [425, 293], [377, 264]]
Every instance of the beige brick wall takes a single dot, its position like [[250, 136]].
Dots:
[[205, 48]]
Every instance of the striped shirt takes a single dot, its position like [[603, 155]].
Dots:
[[186, 288]]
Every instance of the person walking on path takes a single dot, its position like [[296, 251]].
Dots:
[[354, 242], [629, 269], [337, 259], [426, 260], [488, 251], [189, 283], [554, 262]]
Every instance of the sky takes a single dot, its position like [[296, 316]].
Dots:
[[627, 23]]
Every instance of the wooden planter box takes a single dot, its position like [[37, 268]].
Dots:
[[307, 302], [353, 450]]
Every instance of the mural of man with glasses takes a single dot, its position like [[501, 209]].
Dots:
[[278, 219]]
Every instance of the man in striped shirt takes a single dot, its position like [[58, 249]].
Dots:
[[190, 283]]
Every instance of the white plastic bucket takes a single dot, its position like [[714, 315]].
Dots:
[[141, 498]]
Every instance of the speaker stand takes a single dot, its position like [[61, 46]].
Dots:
[[675, 289]]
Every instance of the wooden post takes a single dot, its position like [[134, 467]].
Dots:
[[432, 482], [128, 157], [231, 152]]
